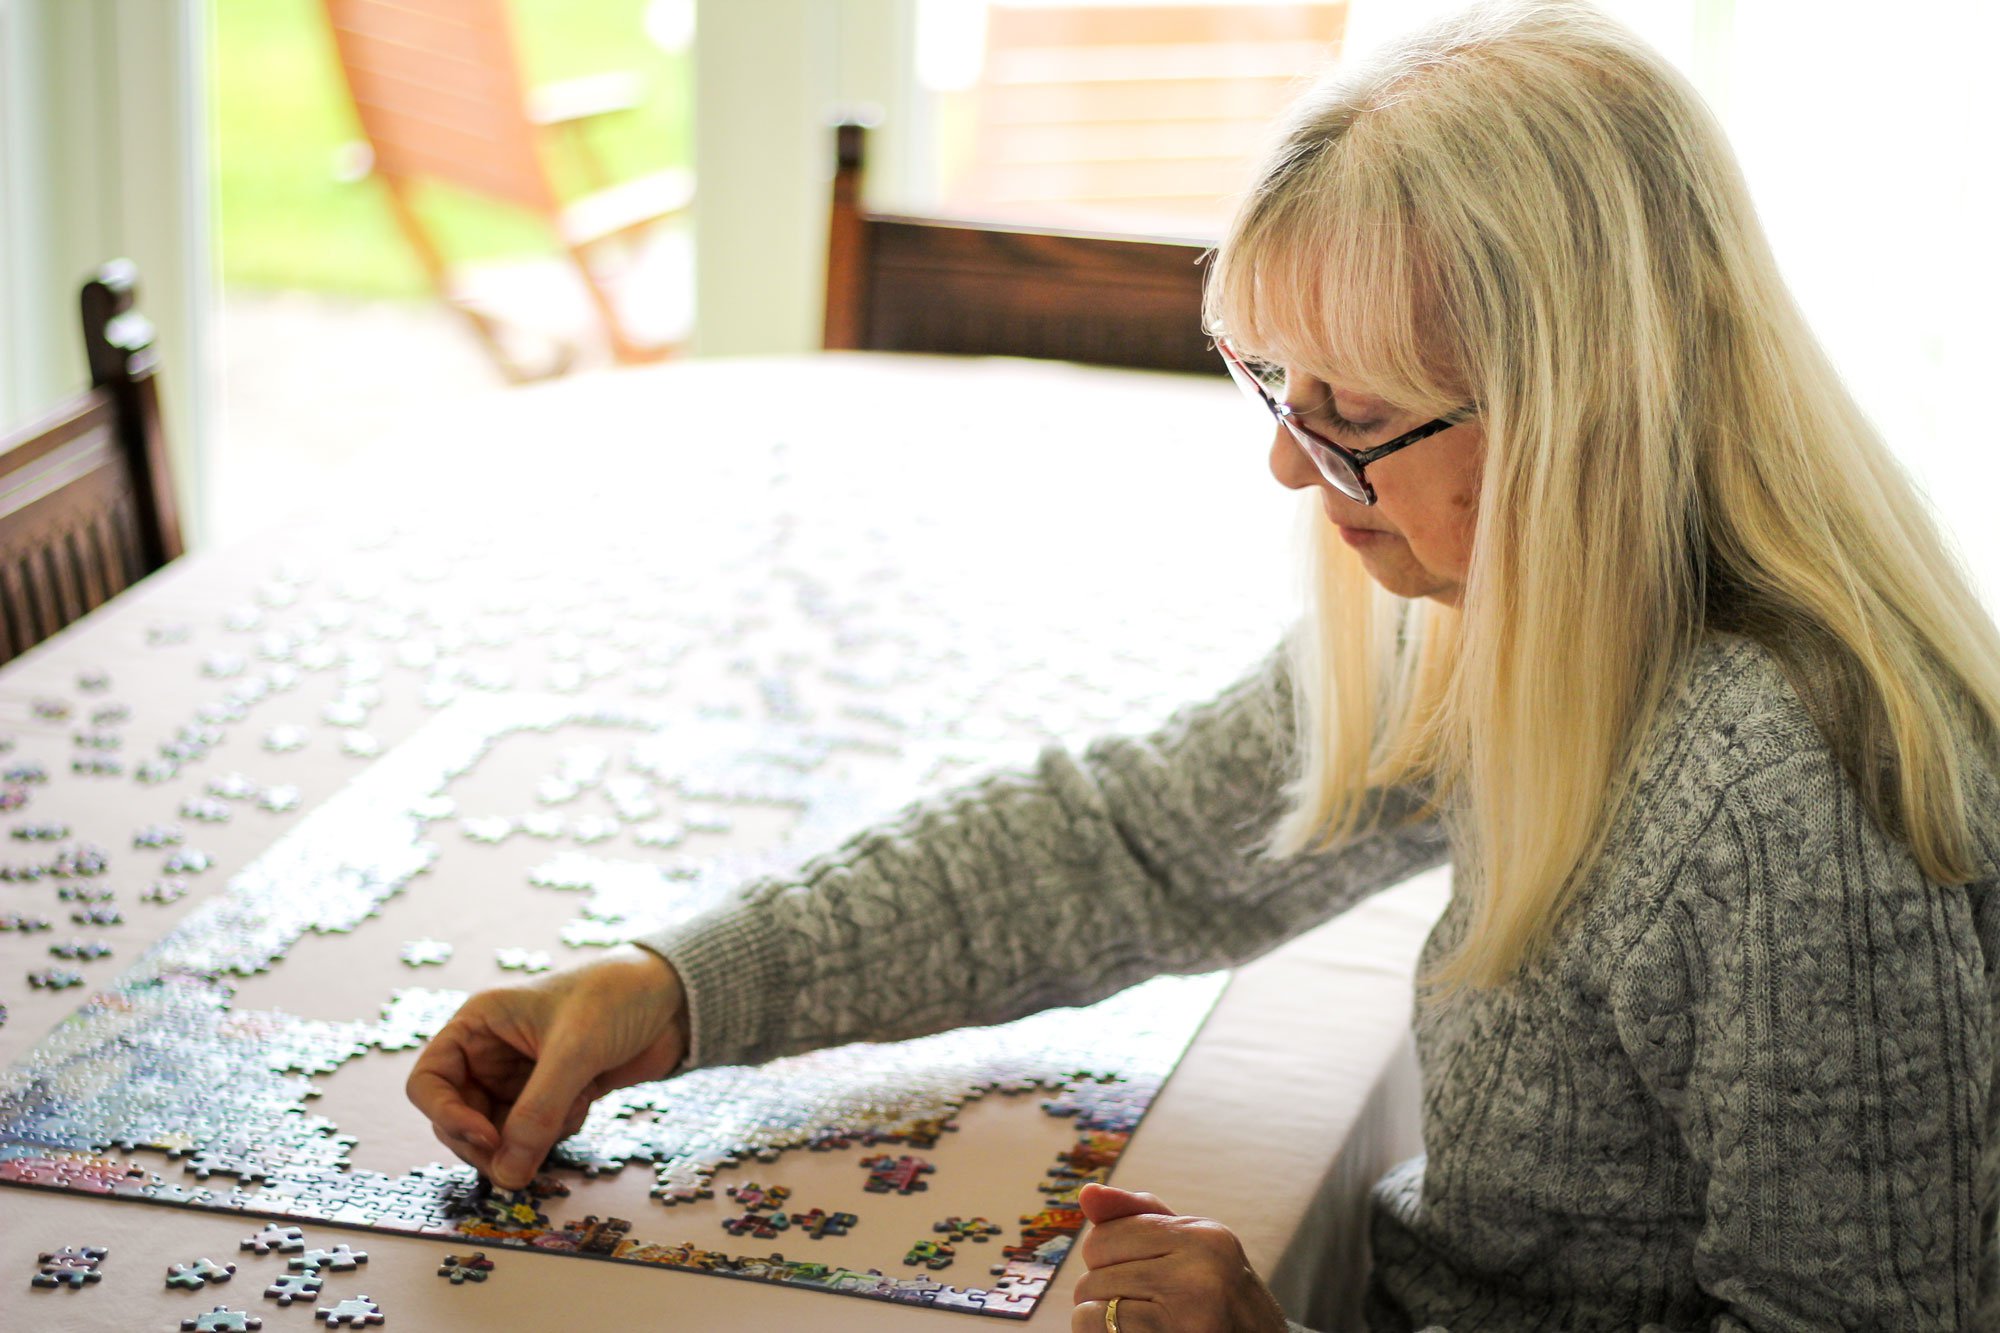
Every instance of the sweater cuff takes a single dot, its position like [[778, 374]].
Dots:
[[732, 973]]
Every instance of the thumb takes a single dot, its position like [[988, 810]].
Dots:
[[538, 1115], [1103, 1203]]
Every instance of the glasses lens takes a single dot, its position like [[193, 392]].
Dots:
[[1337, 470]]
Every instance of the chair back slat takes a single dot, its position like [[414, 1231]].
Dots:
[[85, 499], [931, 285]]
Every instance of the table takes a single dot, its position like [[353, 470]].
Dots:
[[1109, 536]]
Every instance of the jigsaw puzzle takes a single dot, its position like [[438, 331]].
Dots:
[[689, 710]]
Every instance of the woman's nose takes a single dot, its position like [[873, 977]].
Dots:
[[1289, 463]]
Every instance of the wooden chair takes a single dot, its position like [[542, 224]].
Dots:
[[930, 285], [438, 88], [86, 499]]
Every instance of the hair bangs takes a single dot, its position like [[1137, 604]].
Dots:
[[1333, 280]]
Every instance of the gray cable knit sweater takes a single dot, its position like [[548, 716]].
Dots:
[[1753, 1088]]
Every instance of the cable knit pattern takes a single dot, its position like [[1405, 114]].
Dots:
[[1751, 1088]]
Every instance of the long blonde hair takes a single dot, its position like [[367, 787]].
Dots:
[[1525, 209]]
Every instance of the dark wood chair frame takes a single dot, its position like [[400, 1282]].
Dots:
[[86, 494], [907, 284]]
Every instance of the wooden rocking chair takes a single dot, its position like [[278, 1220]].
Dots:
[[438, 87]]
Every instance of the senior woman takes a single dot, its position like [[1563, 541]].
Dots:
[[1622, 607]]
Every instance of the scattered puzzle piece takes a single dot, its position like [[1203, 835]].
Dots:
[[222, 1319], [286, 1240], [199, 1274], [523, 960], [967, 1228], [342, 1258], [473, 1268], [54, 978], [820, 1224], [758, 1198], [352, 1313], [426, 952], [932, 1254], [904, 1174], [764, 1226], [73, 1267], [288, 1287]]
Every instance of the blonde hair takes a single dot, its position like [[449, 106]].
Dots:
[[1525, 209]]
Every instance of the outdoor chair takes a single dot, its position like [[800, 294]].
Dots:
[[439, 91], [86, 498], [907, 284]]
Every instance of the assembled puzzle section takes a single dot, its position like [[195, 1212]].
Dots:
[[164, 1062]]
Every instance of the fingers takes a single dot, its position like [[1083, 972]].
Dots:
[[1106, 1203], [1135, 1315], [550, 1107], [437, 1088]]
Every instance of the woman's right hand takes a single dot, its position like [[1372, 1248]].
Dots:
[[516, 1069]]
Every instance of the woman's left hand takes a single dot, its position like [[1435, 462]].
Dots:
[[1171, 1274]]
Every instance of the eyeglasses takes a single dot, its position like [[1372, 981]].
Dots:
[[1344, 468]]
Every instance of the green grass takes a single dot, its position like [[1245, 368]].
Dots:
[[285, 222]]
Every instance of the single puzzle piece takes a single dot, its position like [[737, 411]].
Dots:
[[904, 1174], [352, 1313], [967, 1228], [54, 978], [473, 1268], [932, 1254], [288, 1287], [287, 1240], [340, 1259], [165, 891], [73, 1266], [73, 1256], [199, 1274], [819, 1223], [222, 1319], [759, 1198], [523, 960], [425, 952], [764, 1226], [79, 950]]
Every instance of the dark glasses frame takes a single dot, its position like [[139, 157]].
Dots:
[[1345, 469]]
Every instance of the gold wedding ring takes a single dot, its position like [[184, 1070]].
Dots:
[[1111, 1315]]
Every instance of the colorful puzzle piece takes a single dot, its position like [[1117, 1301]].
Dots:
[[820, 1224], [473, 1268], [764, 1226], [758, 1198], [967, 1228], [933, 1254], [904, 1175], [73, 1267]]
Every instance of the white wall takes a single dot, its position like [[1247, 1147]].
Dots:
[[768, 74], [103, 153]]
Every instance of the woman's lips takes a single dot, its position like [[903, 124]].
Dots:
[[1361, 536]]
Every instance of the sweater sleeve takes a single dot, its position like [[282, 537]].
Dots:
[[1058, 885], [1813, 1016]]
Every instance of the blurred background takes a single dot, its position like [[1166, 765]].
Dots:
[[352, 215]]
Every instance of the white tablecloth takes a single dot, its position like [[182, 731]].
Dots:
[[1124, 514]]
